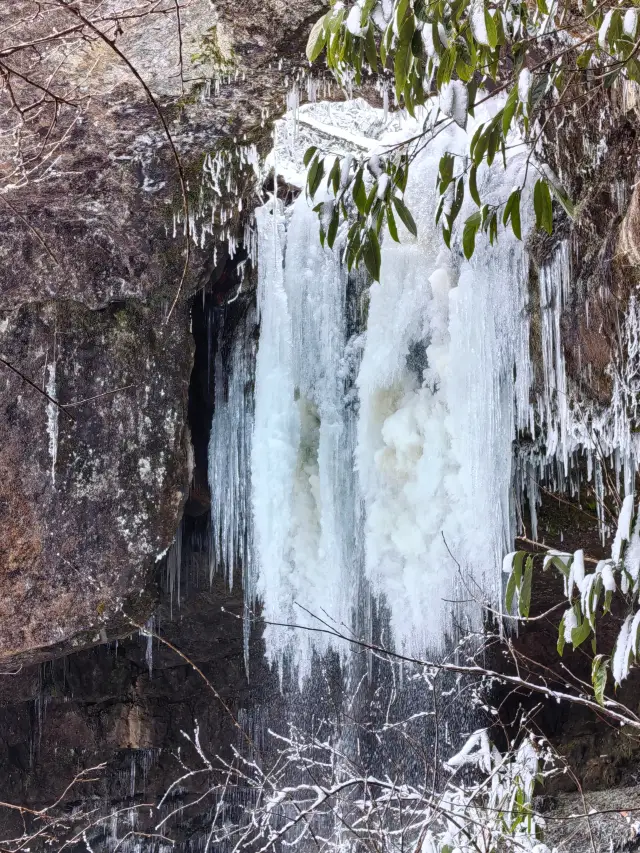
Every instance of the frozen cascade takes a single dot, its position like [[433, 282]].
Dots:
[[555, 279], [438, 408], [302, 467], [229, 460], [382, 455], [438, 411]]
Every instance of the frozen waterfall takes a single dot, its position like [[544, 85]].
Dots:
[[381, 457], [384, 417]]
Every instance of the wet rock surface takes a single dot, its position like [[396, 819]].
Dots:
[[135, 705], [92, 493]]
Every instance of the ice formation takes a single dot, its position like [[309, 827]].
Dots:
[[382, 460], [382, 456], [301, 463]]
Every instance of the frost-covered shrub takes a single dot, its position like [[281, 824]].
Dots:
[[589, 595]]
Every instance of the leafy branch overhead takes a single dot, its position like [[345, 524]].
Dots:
[[534, 58]]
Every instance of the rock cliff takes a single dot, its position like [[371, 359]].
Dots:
[[92, 485]]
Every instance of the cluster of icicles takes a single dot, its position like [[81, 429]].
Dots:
[[372, 454]]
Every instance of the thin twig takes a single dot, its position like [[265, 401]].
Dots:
[[44, 394]]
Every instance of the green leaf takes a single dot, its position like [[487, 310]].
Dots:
[[334, 176], [472, 89], [562, 196], [469, 234], [560, 644], [402, 67], [445, 171], [402, 8], [580, 634], [408, 99], [457, 203], [607, 601], [584, 59], [512, 212], [405, 216], [515, 218], [373, 194], [372, 258], [559, 563], [316, 173], [509, 110], [493, 228], [334, 19], [492, 32], [542, 206], [478, 149], [367, 8], [370, 48], [599, 669], [511, 591], [473, 185], [333, 227], [309, 154], [359, 192], [632, 68], [525, 593], [317, 39], [494, 140], [391, 223], [515, 578]]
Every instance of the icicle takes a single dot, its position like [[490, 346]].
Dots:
[[174, 569], [148, 655], [53, 415]]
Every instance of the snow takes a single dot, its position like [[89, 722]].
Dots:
[[608, 580], [353, 20], [576, 575], [427, 40], [383, 183], [524, 87], [570, 622], [630, 22]]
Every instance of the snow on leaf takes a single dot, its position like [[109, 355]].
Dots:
[[570, 622], [604, 29], [608, 580], [620, 665], [454, 101], [478, 23], [630, 22], [624, 528], [353, 21], [524, 88]]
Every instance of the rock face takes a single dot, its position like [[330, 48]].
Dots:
[[92, 485]]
